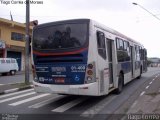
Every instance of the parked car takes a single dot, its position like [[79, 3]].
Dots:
[[8, 65]]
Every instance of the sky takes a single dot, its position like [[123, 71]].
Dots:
[[121, 15]]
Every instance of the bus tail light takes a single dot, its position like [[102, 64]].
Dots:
[[90, 66], [90, 73], [89, 78]]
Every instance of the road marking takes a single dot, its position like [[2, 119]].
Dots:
[[150, 82], [29, 99], [147, 87], [11, 90], [96, 108], [134, 104], [10, 94], [153, 80], [12, 98], [142, 93], [68, 105], [43, 103], [1, 84]]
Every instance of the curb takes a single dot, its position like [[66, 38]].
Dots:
[[15, 90]]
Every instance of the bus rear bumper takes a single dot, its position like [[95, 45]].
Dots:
[[85, 89]]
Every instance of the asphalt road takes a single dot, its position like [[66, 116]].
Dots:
[[29, 105]]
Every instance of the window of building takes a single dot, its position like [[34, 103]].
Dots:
[[17, 36], [101, 44]]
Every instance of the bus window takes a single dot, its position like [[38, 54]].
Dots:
[[128, 52], [125, 45], [120, 43], [61, 36], [137, 53], [137, 57], [117, 43], [123, 51], [101, 44], [141, 53]]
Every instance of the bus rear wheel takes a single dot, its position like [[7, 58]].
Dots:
[[120, 84], [140, 73]]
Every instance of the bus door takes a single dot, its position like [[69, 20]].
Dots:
[[132, 61], [101, 61], [144, 60], [109, 44]]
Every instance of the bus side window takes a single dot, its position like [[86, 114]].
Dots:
[[117, 43], [137, 53], [141, 53], [125, 45], [128, 51], [120, 44], [101, 44]]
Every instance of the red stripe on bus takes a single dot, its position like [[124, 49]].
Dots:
[[64, 53]]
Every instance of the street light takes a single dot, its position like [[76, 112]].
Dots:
[[146, 10]]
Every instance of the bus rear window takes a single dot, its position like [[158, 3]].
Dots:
[[62, 36]]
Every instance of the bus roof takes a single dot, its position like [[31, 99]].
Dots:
[[102, 26], [115, 32]]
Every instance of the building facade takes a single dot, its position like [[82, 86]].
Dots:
[[12, 41], [154, 62]]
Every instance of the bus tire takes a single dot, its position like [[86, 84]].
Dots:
[[12, 72], [140, 73], [120, 84]]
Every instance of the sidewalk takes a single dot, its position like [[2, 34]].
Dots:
[[148, 101], [146, 104], [13, 87]]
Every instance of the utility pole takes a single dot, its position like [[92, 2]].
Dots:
[[27, 43]]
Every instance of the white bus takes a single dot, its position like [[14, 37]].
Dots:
[[83, 57]]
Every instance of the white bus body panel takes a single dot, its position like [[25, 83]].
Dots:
[[85, 89]]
